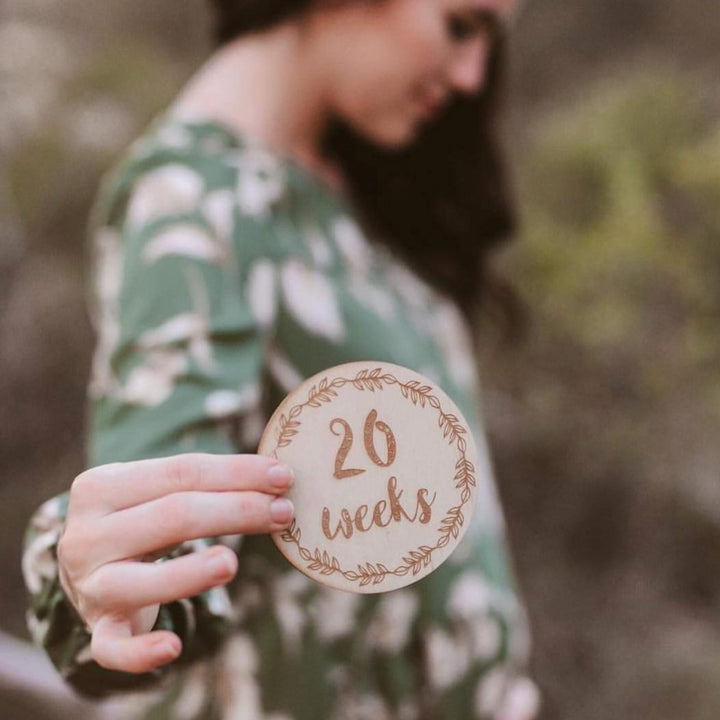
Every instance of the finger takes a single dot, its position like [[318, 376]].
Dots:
[[175, 518], [114, 647], [125, 586], [117, 486]]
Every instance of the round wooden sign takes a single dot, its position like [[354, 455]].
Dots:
[[384, 475]]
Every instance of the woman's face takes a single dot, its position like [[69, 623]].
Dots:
[[395, 63]]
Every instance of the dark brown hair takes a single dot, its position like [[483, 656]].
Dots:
[[442, 203]]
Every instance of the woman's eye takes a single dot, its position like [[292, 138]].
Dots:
[[461, 29]]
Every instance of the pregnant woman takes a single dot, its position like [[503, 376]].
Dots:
[[326, 188]]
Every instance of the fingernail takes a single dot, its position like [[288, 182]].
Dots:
[[281, 476], [167, 649], [170, 652], [281, 510], [220, 564]]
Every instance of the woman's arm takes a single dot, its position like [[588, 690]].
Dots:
[[183, 323]]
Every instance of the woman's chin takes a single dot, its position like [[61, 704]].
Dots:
[[396, 134]]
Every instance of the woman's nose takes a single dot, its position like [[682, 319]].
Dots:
[[467, 69]]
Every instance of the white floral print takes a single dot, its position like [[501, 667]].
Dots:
[[282, 370], [38, 562], [353, 245], [153, 381], [334, 613], [389, 629], [490, 692], [288, 601], [239, 691], [186, 240], [108, 282], [522, 701], [218, 207], [374, 298], [319, 247], [173, 189], [447, 661], [261, 180], [223, 403], [454, 340], [469, 596], [310, 298], [262, 292]]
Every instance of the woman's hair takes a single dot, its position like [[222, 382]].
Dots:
[[441, 203]]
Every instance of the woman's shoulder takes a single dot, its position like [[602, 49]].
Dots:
[[178, 166]]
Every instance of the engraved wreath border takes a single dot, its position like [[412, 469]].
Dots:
[[418, 394]]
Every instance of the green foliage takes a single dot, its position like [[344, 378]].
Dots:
[[144, 79], [607, 424], [622, 220], [99, 109]]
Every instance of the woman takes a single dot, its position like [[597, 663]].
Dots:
[[325, 189]]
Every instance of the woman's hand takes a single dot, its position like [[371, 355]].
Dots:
[[124, 513]]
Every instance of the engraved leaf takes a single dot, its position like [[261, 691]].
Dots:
[[464, 465], [418, 559], [287, 430], [464, 475], [382, 572]]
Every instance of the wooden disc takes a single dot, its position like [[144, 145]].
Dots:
[[384, 475]]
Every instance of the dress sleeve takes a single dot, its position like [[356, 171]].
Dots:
[[183, 304]]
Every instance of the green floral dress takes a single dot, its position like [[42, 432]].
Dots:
[[224, 275]]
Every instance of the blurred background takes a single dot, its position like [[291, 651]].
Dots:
[[605, 418]]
